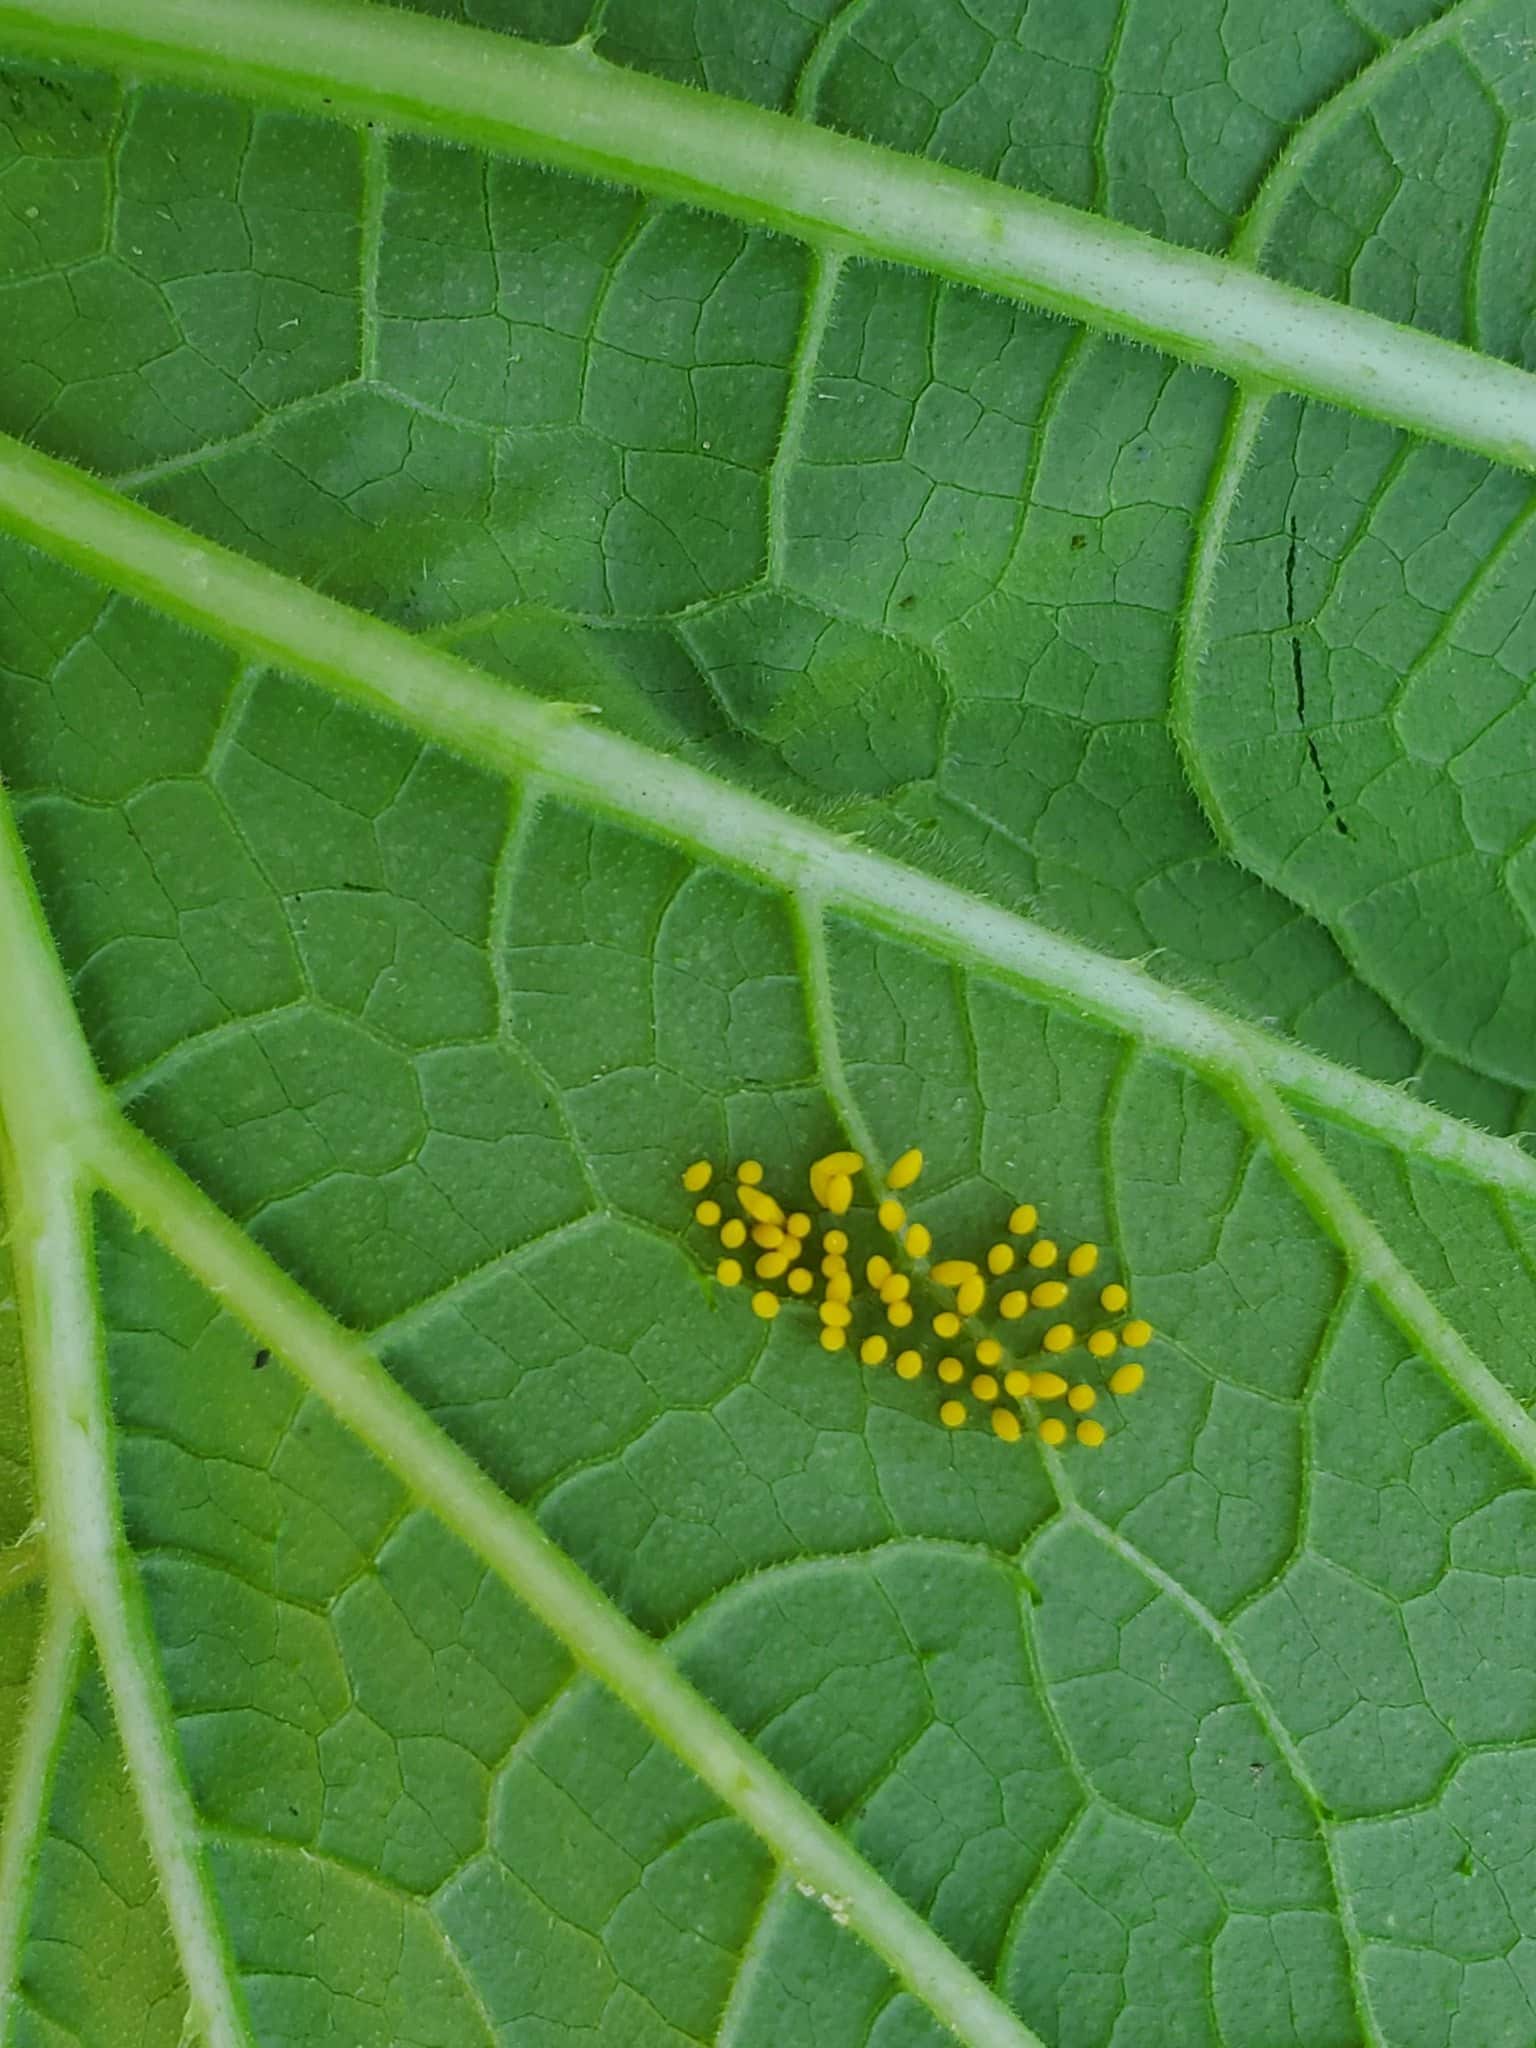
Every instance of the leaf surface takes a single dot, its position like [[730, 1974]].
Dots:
[[512, 682]]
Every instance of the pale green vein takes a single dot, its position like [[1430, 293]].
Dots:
[[569, 108], [1245, 417], [823, 54], [272, 423], [1057, 1471], [50, 1105], [1329, 120], [820, 296], [375, 186], [826, 1039], [1341, 1216], [270, 617], [509, 1540], [734, 2016], [44, 1718], [1248, 1680], [51, 1248], [22, 1561]]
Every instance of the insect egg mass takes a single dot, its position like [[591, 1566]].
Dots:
[[851, 1264]]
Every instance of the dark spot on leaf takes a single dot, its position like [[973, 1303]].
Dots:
[[1079, 540], [262, 1357]]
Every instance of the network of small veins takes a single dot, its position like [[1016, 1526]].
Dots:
[[885, 1305], [907, 1286]]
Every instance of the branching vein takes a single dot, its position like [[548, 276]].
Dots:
[[569, 108]]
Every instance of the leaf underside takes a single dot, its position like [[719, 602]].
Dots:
[[1223, 1733]]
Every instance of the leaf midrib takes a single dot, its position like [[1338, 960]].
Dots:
[[570, 108], [272, 618]]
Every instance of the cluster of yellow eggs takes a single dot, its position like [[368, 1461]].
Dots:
[[884, 1304]]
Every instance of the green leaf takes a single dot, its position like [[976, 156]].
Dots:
[[587, 587]]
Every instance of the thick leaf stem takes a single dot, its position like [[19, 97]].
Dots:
[[569, 108]]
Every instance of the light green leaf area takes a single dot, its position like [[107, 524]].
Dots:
[[433, 1611]]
